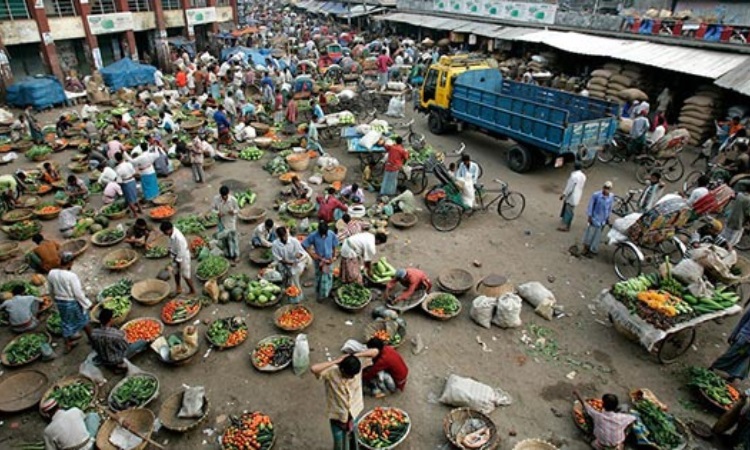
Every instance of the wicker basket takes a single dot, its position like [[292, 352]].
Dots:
[[193, 124], [455, 419], [260, 128], [225, 346], [161, 240], [110, 397], [252, 214], [143, 319], [4, 354], [22, 146], [396, 332], [263, 142], [8, 250], [20, 390], [79, 167], [23, 234], [138, 419], [494, 286], [47, 216], [116, 321], [66, 382], [270, 368], [286, 308], [161, 219], [404, 220], [75, 246], [390, 447], [184, 359], [169, 198], [426, 307], [337, 300], [456, 281], [28, 201], [17, 266], [171, 406], [166, 186], [183, 320], [258, 256], [302, 214], [127, 254], [150, 292], [17, 215], [95, 239], [534, 444], [115, 215], [416, 299], [299, 162], [333, 174]]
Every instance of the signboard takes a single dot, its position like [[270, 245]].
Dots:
[[111, 23], [515, 11], [200, 16]]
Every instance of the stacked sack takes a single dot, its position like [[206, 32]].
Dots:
[[617, 83], [597, 85], [698, 114]]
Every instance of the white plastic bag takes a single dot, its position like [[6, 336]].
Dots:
[[301, 355], [482, 310], [396, 107], [370, 139], [353, 346], [467, 191], [460, 391], [315, 179], [192, 402], [539, 297], [508, 312], [89, 370], [623, 223], [363, 128], [327, 161], [688, 271]]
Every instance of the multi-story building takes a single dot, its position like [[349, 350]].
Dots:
[[60, 36]]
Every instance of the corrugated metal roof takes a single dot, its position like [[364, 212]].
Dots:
[[737, 79], [513, 33], [482, 29]]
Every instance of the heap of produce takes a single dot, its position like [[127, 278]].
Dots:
[[246, 198], [444, 305], [196, 244], [142, 330], [119, 263], [250, 431], [353, 295], [262, 292], [582, 419], [38, 152], [162, 212], [180, 309], [227, 332], [420, 156], [119, 306], [189, 225], [382, 427], [212, 266], [156, 252], [114, 208], [28, 288], [120, 289], [109, 235], [389, 339], [134, 392], [251, 154], [277, 166], [661, 427], [23, 229], [78, 394], [382, 271], [295, 318], [300, 207], [276, 352], [54, 323], [25, 348], [713, 386], [210, 219], [46, 209]]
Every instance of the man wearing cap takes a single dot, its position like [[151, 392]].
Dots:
[[412, 279], [598, 212], [64, 287], [70, 429], [110, 344]]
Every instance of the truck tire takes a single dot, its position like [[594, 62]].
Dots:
[[435, 123], [520, 159]]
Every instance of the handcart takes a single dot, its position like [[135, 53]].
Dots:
[[367, 157]]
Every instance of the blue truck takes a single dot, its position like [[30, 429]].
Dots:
[[548, 125]]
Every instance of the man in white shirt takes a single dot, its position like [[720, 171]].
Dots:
[[226, 207], [230, 106], [224, 68], [571, 196], [264, 234], [159, 79], [108, 174], [700, 191], [291, 258], [65, 288], [180, 253], [68, 428], [357, 249], [467, 167], [126, 174]]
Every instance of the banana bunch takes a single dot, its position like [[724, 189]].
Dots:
[[633, 286]]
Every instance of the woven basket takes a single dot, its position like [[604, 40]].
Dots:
[[17, 266], [494, 286], [23, 234], [252, 214], [169, 198], [404, 220], [22, 146], [298, 162], [171, 406], [391, 326], [260, 128], [81, 167], [348, 307], [95, 239], [138, 419], [224, 346], [116, 321], [333, 174], [534, 444], [8, 250], [456, 281], [263, 142], [166, 186], [124, 253], [455, 419], [286, 308], [193, 124], [110, 397], [28, 201], [161, 219], [426, 304], [150, 292], [416, 299], [4, 355], [185, 319], [75, 246], [184, 359], [141, 319], [65, 382], [21, 390], [115, 215], [17, 215], [270, 368], [257, 257], [48, 216], [390, 447]]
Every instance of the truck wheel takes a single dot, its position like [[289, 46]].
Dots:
[[435, 123], [520, 159]]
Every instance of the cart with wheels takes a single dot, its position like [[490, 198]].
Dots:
[[667, 345]]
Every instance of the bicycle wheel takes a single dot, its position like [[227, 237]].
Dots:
[[672, 249], [511, 206], [643, 172], [446, 216], [691, 181], [606, 154], [673, 170], [416, 183], [433, 197], [675, 345], [620, 206], [627, 262]]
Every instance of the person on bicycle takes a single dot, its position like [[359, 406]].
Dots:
[[467, 167], [638, 133], [652, 193]]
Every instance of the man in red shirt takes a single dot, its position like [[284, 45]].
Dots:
[[327, 206], [412, 279], [388, 372], [181, 81], [383, 62], [396, 158]]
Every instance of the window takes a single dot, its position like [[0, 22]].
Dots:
[[443, 78], [14, 10], [139, 5], [171, 4], [223, 3], [198, 3], [103, 6], [60, 8]]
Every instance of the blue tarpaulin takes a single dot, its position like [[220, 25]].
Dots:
[[183, 44], [127, 73], [40, 92], [255, 55]]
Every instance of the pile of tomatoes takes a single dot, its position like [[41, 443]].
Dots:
[[251, 431], [295, 318], [142, 330]]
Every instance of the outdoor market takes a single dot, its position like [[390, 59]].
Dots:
[[283, 242]]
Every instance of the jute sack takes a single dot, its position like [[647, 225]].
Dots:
[[597, 94], [695, 131], [602, 73], [632, 75], [700, 100], [625, 125], [696, 108], [613, 67], [693, 121], [598, 81], [633, 94], [621, 79]]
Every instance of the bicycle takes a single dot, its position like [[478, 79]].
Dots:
[[447, 214], [415, 140], [417, 181], [716, 174], [622, 206]]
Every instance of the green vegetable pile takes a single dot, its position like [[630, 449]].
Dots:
[[75, 395], [353, 295], [444, 304], [712, 385], [220, 330], [211, 267], [277, 166], [662, 430], [251, 154], [115, 207], [420, 156], [54, 323], [38, 151], [107, 236], [210, 220], [25, 348], [246, 198], [118, 305], [300, 207], [134, 392], [190, 225], [28, 288], [120, 289], [156, 252], [261, 292], [382, 271]]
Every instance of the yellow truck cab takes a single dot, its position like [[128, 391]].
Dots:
[[438, 82]]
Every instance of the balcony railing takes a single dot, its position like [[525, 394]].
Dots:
[[198, 3], [139, 5], [14, 10], [60, 8], [171, 4], [103, 7]]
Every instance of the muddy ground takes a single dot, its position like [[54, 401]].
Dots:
[[591, 355]]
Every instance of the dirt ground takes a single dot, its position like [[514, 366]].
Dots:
[[591, 355]]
